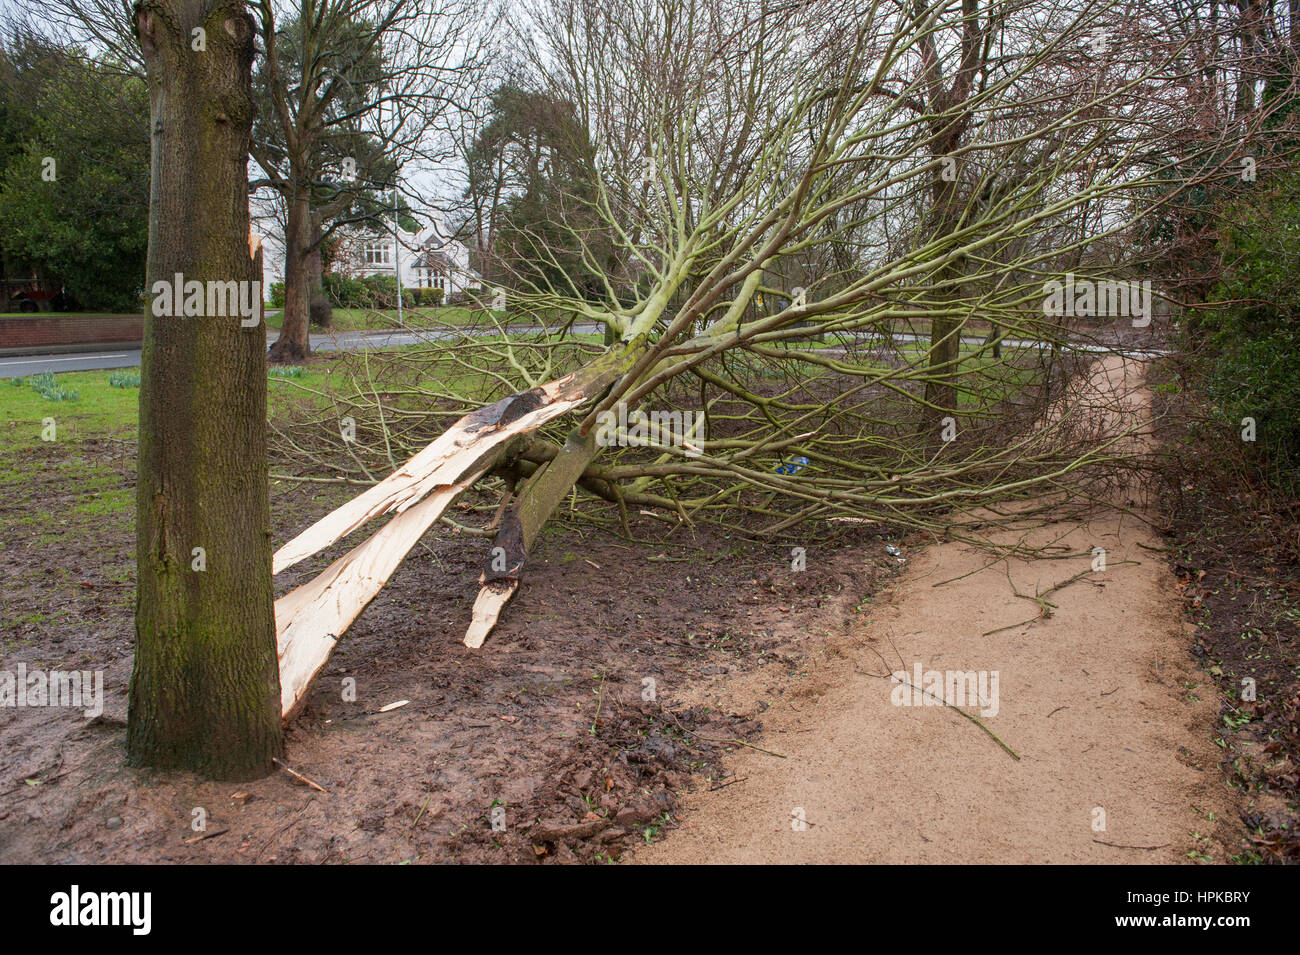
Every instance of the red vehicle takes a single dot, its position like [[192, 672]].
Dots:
[[29, 295]]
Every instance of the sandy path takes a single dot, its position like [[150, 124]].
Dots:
[[1098, 701]]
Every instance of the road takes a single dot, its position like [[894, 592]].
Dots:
[[22, 365]]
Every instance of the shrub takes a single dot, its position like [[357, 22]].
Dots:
[[321, 313], [1253, 369], [276, 295], [373, 291], [428, 297], [343, 291], [382, 292]]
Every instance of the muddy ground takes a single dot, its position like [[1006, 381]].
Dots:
[[546, 745], [546, 732]]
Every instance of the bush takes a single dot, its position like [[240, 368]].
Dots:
[[321, 313], [428, 297], [1253, 370], [373, 291], [276, 294], [382, 292], [343, 291]]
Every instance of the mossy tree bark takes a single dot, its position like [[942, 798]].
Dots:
[[205, 687]]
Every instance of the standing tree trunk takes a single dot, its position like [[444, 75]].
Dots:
[[319, 311], [205, 689], [294, 344], [945, 327]]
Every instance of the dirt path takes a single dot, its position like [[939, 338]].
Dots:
[[1099, 702]]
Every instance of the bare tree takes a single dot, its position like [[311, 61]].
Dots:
[[349, 93], [357, 89]]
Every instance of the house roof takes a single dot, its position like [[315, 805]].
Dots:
[[430, 259]]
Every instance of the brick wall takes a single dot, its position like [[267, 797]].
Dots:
[[71, 330]]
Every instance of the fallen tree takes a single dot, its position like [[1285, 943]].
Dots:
[[859, 323]]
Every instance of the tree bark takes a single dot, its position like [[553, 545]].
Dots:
[[945, 330], [316, 313], [204, 691], [294, 344], [537, 500]]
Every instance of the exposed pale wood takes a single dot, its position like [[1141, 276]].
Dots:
[[310, 619], [455, 453], [487, 609], [443, 462]]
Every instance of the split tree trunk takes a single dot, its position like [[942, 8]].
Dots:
[[311, 618], [205, 687]]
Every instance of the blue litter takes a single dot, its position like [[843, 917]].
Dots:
[[793, 467]]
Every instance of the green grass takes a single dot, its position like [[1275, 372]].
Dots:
[[98, 409], [107, 403], [117, 500]]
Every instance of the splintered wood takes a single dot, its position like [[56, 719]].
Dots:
[[309, 619], [487, 608], [443, 462]]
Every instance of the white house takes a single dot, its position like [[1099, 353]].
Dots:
[[426, 259]]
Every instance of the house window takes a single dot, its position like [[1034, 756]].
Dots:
[[378, 253]]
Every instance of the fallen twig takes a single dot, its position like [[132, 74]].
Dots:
[[1116, 845], [710, 739], [206, 835], [421, 812], [297, 775]]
